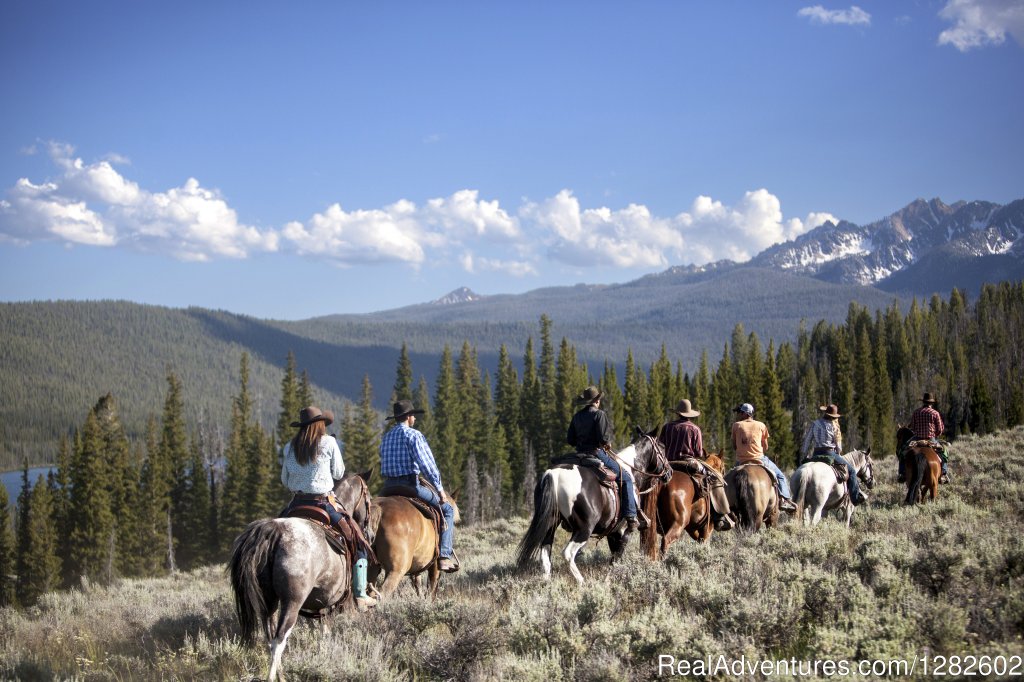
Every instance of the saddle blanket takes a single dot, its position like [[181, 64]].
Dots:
[[841, 472]]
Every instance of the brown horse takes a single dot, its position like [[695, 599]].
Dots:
[[922, 467], [405, 544], [752, 496], [672, 509]]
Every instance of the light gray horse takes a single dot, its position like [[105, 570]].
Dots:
[[816, 491]]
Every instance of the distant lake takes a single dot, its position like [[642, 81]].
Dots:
[[12, 480]]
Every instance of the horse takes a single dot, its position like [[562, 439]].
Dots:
[[922, 467], [816, 490], [671, 506], [405, 544], [572, 497], [286, 565], [752, 495]]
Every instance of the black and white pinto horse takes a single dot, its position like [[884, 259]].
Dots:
[[572, 497], [817, 492], [285, 567]]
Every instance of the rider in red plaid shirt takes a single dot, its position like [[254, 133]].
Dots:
[[926, 423]]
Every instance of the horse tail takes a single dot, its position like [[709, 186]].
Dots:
[[252, 551], [545, 518], [746, 496], [799, 492], [649, 535], [920, 465]]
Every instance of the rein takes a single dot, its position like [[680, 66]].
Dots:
[[661, 461]]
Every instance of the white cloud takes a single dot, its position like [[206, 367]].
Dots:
[[854, 16], [94, 204], [350, 238], [978, 23]]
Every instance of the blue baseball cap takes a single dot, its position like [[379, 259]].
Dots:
[[745, 408]]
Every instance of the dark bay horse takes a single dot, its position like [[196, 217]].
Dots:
[[285, 565], [572, 497], [752, 496], [405, 544], [922, 467], [673, 511]]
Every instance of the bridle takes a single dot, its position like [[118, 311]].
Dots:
[[663, 470], [868, 466]]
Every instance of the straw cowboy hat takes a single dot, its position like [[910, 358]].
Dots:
[[590, 395], [308, 415], [684, 409], [927, 399], [401, 410]]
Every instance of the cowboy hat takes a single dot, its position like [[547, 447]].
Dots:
[[831, 410], [927, 399], [308, 415], [590, 395], [684, 409], [401, 410]]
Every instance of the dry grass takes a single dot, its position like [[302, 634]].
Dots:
[[947, 578]]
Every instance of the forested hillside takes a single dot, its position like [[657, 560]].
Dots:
[[57, 357]]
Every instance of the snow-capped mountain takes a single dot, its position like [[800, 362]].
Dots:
[[870, 254], [460, 295]]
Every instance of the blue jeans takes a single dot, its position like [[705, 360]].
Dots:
[[428, 496], [779, 476], [629, 501], [852, 484]]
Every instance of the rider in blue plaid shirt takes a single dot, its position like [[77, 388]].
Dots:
[[404, 457]]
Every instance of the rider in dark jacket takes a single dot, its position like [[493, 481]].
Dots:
[[590, 432]]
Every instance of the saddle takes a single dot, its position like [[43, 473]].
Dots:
[[344, 537], [605, 476], [703, 481], [771, 477], [829, 458], [429, 511]]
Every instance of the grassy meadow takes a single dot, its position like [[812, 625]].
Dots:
[[939, 579]]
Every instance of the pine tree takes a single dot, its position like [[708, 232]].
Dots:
[[93, 524], [155, 516], [775, 414], [507, 396], [195, 521], [361, 433], [552, 431], [446, 420], [612, 401], [425, 422], [39, 570], [174, 453], [22, 537], [8, 556], [530, 406], [634, 398], [290, 403], [402, 390], [235, 511], [305, 393]]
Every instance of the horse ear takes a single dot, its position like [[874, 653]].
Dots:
[[637, 430], [454, 494], [867, 451], [366, 475]]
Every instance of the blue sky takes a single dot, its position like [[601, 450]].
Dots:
[[342, 157]]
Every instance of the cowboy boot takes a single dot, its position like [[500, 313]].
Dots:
[[861, 498], [447, 564], [786, 505], [944, 478], [364, 602]]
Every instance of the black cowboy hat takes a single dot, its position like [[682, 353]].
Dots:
[[308, 415], [590, 395], [402, 409], [927, 399]]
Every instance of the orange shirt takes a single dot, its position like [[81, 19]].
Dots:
[[749, 438]]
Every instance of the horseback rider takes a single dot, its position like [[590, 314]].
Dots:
[[926, 423], [590, 432], [404, 457], [684, 442], [824, 438], [750, 440], [311, 462]]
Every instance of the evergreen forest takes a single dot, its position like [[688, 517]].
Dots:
[[175, 498]]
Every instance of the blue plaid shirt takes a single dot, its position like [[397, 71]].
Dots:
[[404, 451]]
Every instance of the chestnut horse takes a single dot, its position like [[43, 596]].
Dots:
[[673, 511], [405, 543], [753, 498], [286, 565], [922, 467]]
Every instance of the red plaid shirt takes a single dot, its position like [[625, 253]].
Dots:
[[926, 422], [682, 439]]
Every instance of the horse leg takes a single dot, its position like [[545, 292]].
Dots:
[[415, 580], [433, 578], [287, 617], [570, 551], [545, 552], [670, 536]]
